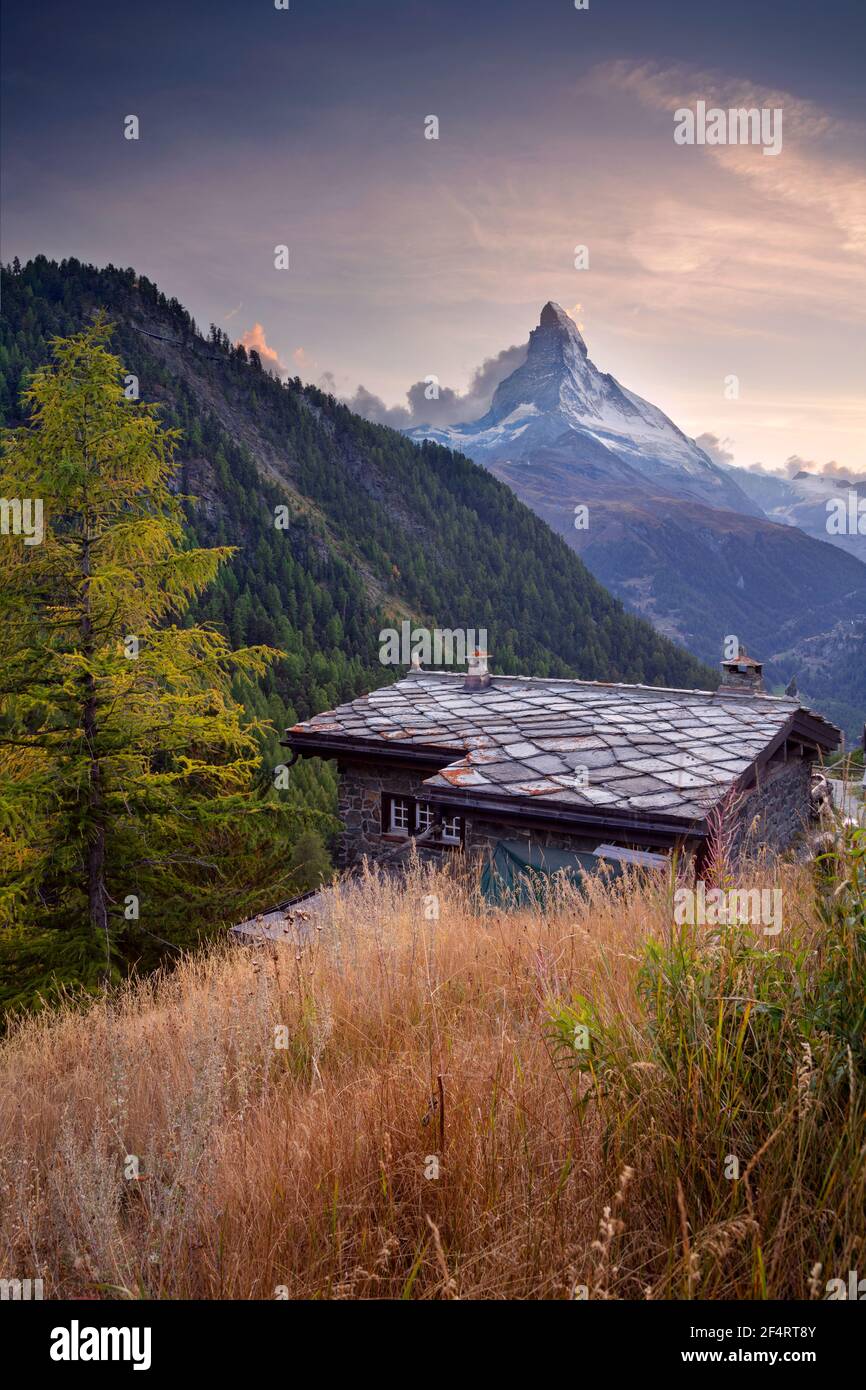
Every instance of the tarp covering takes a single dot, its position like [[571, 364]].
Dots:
[[518, 872]]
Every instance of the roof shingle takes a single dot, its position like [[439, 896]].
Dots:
[[644, 748]]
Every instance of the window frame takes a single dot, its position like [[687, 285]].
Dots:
[[429, 811], [393, 831], [414, 805]]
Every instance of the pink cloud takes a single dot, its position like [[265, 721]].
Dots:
[[254, 341]]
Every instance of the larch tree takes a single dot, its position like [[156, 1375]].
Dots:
[[129, 813]]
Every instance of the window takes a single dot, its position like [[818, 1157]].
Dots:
[[398, 821], [403, 816]]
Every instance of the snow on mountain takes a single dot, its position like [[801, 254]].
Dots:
[[807, 500], [558, 396], [678, 538]]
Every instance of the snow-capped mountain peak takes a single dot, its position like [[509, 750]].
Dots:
[[558, 396], [556, 373]]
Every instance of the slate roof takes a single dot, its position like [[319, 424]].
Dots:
[[647, 750], [294, 922]]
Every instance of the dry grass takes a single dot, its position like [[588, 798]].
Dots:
[[413, 1042]]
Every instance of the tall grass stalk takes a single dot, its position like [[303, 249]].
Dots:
[[431, 1130]]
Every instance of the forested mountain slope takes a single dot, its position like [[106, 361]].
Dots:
[[380, 529]]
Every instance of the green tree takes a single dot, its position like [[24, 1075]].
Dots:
[[309, 862], [128, 811]]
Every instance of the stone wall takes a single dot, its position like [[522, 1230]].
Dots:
[[780, 803], [360, 809], [775, 813]]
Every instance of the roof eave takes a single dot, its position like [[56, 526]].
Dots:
[[315, 744], [509, 807], [812, 728], [542, 811]]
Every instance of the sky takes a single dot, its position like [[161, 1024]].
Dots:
[[411, 257]]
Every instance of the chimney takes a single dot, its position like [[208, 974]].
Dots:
[[478, 676], [742, 674]]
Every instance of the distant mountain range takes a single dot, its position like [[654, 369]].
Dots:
[[682, 540], [804, 501]]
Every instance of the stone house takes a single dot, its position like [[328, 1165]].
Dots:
[[565, 773]]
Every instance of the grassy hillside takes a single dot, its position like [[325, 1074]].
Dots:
[[425, 1126]]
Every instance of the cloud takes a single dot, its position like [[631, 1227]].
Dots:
[[789, 469], [374, 408], [720, 453], [449, 407], [838, 470], [254, 341], [716, 448], [794, 464], [820, 169]]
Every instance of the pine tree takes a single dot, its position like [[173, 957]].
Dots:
[[127, 771], [309, 862]]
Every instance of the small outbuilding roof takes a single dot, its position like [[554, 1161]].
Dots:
[[634, 749]]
